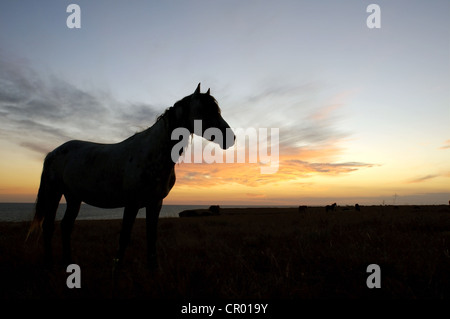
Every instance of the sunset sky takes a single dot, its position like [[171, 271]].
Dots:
[[363, 114]]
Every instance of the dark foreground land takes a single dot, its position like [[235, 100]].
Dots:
[[246, 253]]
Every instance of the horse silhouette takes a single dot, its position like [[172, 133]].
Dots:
[[302, 208], [135, 173], [211, 211], [331, 207]]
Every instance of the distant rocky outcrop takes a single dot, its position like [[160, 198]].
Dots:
[[211, 211]]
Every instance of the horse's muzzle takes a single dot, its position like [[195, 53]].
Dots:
[[229, 139]]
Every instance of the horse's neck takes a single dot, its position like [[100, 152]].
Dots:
[[159, 136]]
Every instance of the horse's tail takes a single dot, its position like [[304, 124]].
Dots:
[[45, 199]]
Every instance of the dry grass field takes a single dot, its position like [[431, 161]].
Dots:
[[263, 253]]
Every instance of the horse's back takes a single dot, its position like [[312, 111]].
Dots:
[[112, 175], [83, 167], [56, 159]]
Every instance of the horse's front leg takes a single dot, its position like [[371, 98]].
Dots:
[[129, 216], [152, 216]]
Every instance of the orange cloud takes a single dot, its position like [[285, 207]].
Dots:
[[300, 163]]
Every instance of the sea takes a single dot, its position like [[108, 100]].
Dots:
[[17, 212]]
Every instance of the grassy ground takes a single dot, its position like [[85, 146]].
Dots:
[[246, 253]]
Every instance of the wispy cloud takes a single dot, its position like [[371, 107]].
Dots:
[[446, 145], [40, 113], [423, 178], [303, 113], [330, 168]]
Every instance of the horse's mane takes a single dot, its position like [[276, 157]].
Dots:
[[166, 114], [170, 109], [181, 103]]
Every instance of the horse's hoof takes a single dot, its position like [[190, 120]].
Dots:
[[117, 263]]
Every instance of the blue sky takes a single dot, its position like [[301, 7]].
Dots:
[[312, 68]]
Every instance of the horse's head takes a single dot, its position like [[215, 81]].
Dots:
[[204, 107]]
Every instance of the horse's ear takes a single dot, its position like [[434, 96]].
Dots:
[[197, 90], [208, 92]]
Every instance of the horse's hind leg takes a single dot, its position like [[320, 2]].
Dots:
[[73, 207], [152, 215], [50, 206]]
